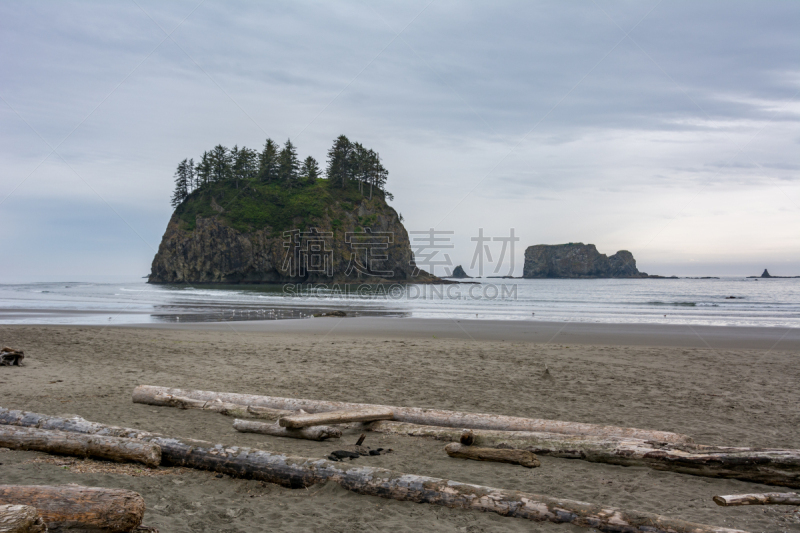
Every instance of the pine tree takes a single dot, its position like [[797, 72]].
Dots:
[[339, 162], [245, 164], [183, 179], [378, 175], [288, 165], [194, 181], [204, 170], [268, 162], [220, 163], [310, 170]]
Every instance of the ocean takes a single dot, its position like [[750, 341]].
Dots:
[[725, 302]]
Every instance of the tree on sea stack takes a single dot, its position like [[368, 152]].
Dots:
[[288, 165], [268, 162], [184, 181], [220, 163], [309, 172], [340, 162], [245, 164]]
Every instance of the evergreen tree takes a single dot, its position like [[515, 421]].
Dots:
[[194, 181], [203, 170], [310, 170], [220, 163], [339, 162], [268, 162], [245, 164], [358, 163], [378, 175], [183, 178], [288, 165]]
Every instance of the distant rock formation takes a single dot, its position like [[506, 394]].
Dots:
[[459, 273], [577, 260], [766, 274]]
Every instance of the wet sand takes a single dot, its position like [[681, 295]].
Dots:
[[719, 385]]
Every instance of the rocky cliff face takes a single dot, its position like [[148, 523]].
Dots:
[[577, 260], [349, 243]]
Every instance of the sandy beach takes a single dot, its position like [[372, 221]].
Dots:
[[724, 385]]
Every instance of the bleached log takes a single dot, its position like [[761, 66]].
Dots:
[[72, 507], [369, 414], [764, 498], [771, 467], [310, 433], [300, 472], [432, 417], [498, 455], [64, 443], [21, 519], [218, 406]]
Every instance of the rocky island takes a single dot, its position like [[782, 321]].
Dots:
[[247, 217], [767, 275], [577, 260]]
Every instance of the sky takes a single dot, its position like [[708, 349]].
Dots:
[[670, 129]]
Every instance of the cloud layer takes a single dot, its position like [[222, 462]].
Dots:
[[669, 129]]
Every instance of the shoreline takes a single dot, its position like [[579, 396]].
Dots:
[[582, 333]]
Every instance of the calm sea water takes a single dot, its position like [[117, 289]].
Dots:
[[774, 302]]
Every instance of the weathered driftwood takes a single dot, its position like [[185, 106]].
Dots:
[[498, 455], [65, 443], [218, 406], [300, 472], [369, 414], [764, 498], [21, 519], [10, 356], [432, 417], [71, 507], [771, 467], [312, 433]]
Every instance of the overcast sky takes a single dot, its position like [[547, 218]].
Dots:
[[670, 129]]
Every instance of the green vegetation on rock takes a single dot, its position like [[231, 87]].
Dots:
[[272, 190], [256, 205]]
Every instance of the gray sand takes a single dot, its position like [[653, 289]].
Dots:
[[727, 394]]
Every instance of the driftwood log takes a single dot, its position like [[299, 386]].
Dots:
[[300, 472], [311, 433], [65, 443], [771, 467], [71, 507], [218, 406], [432, 417], [11, 357], [369, 414], [21, 519], [499, 455], [764, 498]]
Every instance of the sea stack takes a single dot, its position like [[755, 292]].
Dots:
[[459, 273], [765, 274], [314, 234], [577, 260]]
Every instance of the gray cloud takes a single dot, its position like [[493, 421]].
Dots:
[[522, 104]]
